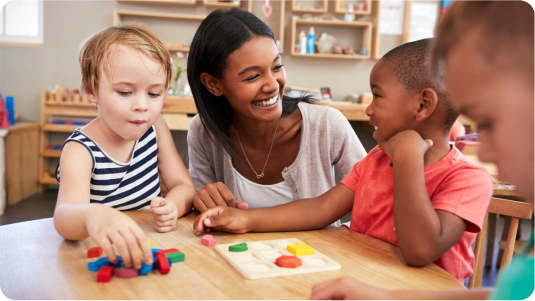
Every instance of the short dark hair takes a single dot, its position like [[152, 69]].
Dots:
[[411, 64], [220, 34]]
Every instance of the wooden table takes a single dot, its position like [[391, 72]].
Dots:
[[36, 263]]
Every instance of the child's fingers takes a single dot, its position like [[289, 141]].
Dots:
[[119, 242], [323, 291], [106, 246], [164, 224], [164, 229], [133, 247], [164, 218], [142, 241], [200, 220], [162, 210]]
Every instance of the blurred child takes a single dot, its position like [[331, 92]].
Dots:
[[414, 190], [485, 49], [113, 164]]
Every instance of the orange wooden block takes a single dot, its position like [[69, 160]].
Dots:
[[288, 262], [94, 252]]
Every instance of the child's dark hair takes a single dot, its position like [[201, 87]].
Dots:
[[411, 64], [218, 36]]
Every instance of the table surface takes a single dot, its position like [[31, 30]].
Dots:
[[37, 263]]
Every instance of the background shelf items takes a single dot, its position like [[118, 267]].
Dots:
[[302, 8], [219, 4], [365, 27], [159, 2], [341, 7]]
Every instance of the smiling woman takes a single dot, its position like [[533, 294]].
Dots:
[[251, 146]]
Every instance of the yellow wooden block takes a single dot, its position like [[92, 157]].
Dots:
[[300, 249]]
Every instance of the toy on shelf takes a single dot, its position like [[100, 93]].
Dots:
[[55, 96], [4, 121], [271, 258], [55, 147], [69, 122]]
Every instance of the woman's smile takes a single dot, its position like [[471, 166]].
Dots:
[[267, 103]]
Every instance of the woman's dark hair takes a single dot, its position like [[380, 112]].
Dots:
[[218, 36]]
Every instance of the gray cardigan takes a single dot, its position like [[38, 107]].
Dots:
[[327, 139]]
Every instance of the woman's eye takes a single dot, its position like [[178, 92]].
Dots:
[[375, 95], [485, 126], [125, 93], [279, 67], [252, 78]]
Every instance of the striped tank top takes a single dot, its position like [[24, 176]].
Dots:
[[123, 186]]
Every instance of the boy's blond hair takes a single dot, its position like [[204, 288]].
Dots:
[[505, 32], [97, 50]]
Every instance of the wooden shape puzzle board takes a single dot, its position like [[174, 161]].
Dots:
[[259, 260]]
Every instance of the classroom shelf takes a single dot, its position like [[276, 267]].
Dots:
[[159, 2], [217, 4], [177, 48], [343, 10], [366, 37], [179, 105], [47, 179], [59, 128], [321, 10], [51, 153]]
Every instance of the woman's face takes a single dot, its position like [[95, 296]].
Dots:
[[500, 100], [254, 80]]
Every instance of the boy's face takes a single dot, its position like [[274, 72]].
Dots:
[[392, 106], [131, 93], [500, 100]]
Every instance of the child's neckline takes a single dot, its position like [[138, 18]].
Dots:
[[106, 154]]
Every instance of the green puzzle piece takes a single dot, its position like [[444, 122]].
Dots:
[[176, 256], [238, 248]]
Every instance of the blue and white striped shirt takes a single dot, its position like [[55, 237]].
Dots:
[[123, 186]]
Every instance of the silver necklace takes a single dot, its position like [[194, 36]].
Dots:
[[258, 176]]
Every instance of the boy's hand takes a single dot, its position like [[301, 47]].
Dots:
[[216, 194], [165, 214], [405, 143], [347, 289], [107, 227], [222, 219]]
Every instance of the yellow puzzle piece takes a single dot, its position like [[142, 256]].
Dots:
[[300, 249]]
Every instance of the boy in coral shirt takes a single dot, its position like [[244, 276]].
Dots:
[[414, 190]]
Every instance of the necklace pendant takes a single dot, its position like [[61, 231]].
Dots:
[[260, 176]]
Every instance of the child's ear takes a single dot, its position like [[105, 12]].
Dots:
[[91, 95], [212, 84], [428, 104]]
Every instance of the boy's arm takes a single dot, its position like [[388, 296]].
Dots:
[[175, 177], [75, 218], [351, 289], [306, 214], [423, 233]]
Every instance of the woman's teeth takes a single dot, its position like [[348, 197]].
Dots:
[[266, 103], [375, 127]]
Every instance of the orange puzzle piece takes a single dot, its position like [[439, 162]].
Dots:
[[288, 262]]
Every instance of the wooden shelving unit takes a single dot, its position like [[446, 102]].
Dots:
[[366, 37], [118, 14], [175, 47], [160, 2], [343, 10], [217, 4], [297, 9]]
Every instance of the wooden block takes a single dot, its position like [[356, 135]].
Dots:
[[289, 261], [238, 248], [176, 257], [94, 252], [85, 100], [104, 274], [163, 264], [145, 269], [300, 249], [126, 273], [76, 98], [163, 252], [119, 263], [154, 251], [59, 94], [96, 265], [208, 240]]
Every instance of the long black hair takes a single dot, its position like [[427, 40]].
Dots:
[[218, 36]]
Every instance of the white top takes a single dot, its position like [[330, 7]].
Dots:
[[261, 196]]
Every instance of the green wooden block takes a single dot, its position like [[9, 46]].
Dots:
[[176, 256], [238, 248]]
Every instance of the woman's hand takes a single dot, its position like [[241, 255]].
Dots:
[[216, 194], [107, 227], [165, 214], [222, 219]]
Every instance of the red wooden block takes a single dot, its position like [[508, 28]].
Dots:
[[94, 252], [104, 274], [172, 250], [288, 262], [163, 263], [126, 272]]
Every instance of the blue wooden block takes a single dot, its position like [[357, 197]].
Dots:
[[57, 147], [145, 269], [154, 251], [96, 265], [155, 264], [78, 123], [59, 122], [118, 264]]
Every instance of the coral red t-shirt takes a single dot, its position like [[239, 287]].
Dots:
[[454, 184]]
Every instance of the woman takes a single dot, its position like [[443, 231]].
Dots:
[[250, 146], [485, 49]]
